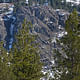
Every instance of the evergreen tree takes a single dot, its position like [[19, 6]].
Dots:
[[26, 60], [68, 58], [5, 67]]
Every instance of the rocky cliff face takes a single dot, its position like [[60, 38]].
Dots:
[[48, 24]]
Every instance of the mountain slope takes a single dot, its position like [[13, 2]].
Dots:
[[46, 24]]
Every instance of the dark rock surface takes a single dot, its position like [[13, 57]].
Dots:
[[7, 23], [46, 22]]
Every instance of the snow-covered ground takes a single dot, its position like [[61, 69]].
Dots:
[[77, 2], [61, 34], [27, 1]]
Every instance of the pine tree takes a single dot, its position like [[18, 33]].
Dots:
[[70, 63], [5, 68], [26, 60]]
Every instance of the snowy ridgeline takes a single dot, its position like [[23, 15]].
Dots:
[[77, 2]]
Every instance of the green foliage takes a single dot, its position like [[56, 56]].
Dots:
[[72, 23], [69, 63], [26, 60], [23, 61], [5, 68]]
